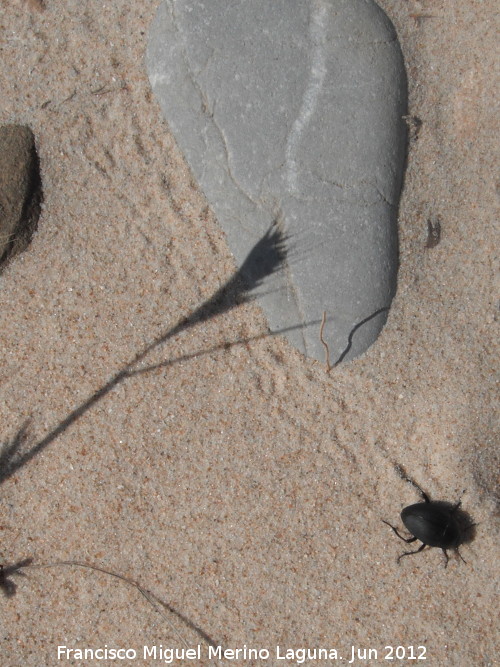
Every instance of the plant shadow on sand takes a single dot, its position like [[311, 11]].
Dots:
[[265, 259]]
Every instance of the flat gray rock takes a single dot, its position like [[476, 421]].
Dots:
[[290, 112]]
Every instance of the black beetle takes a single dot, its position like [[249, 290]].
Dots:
[[435, 523]]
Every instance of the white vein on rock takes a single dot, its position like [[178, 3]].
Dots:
[[317, 36]]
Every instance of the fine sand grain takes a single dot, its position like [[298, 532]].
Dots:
[[236, 480]]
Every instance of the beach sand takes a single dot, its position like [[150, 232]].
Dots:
[[237, 480]]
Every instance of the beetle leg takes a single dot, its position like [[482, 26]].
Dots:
[[409, 553], [405, 539]]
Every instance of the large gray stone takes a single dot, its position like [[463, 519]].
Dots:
[[291, 111]]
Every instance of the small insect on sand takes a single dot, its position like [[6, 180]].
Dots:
[[435, 523]]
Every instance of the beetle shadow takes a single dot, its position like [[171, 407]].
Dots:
[[466, 524], [464, 520], [379, 311]]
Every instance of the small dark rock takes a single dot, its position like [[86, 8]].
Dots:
[[20, 190]]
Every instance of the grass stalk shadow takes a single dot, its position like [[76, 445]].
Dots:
[[265, 259]]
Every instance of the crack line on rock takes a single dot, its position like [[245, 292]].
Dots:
[[204, 104], [354, 186], [228, 162]]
